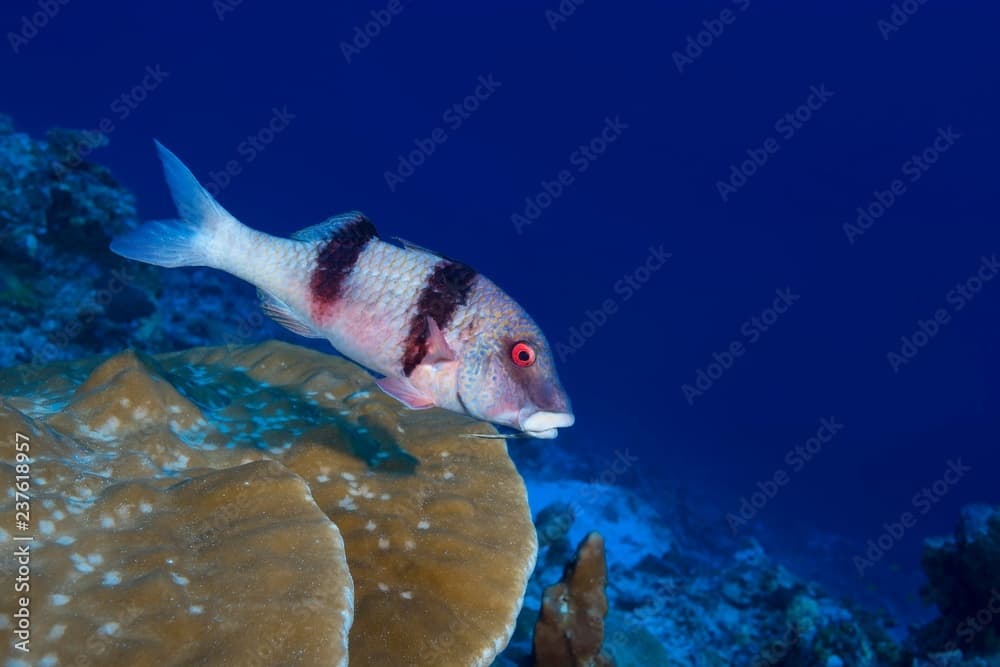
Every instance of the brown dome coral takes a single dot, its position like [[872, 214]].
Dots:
[[189, 508]]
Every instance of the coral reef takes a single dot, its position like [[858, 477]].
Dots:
[[570, 628], [721, 601], [197, 507], [63, 295], [963, 574]]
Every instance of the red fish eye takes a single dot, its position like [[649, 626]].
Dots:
[[522, 354]]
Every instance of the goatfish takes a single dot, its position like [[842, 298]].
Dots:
[[438, 332]]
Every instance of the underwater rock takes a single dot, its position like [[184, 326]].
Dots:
[[64, 295], [963, 574], [189, 508], [570, 629], [553, 523], [719, 601]]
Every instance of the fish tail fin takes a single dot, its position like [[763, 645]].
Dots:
[[197, 238]]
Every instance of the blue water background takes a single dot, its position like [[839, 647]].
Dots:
[[228, 66]]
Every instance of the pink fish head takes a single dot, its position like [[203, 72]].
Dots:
[[508, 376]]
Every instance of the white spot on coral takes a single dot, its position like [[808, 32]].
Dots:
[[59, 515], [400, 428], [448, 474], [49, 660], [174, 409], [110, 426], [107, 522], [382, 587], [56, 632], [423, 525], [145, 508], [383, 543], [179, 579], [95, 559], [445, 455], [140, 413], [348, 476], [110, 628], [370, 526], [47, 527], [48, 503], [59, 599], [406, 595], [322, 479], [328, 396], [112, 578], [195, 609], [125, 403], [65, 540], [81, 564], [385, 496], [409, 545], [347, 503]]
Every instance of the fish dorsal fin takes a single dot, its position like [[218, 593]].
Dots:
[[419, 248], [329, 227]]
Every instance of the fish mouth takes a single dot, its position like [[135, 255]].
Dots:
[[545, 425]]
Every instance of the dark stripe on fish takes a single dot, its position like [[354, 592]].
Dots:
[[337, 256], [447, 288]]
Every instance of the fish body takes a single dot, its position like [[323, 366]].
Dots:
[[440, 333]]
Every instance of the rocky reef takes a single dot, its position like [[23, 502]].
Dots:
[[64, 296], [963, 582], [257, 505]]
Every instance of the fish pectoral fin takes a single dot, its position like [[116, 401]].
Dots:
[[279, 311], [403, 391], [438, 349]]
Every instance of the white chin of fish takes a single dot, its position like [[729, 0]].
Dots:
[[546, 425]]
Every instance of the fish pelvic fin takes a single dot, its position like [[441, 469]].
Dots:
[[284, 315], [197, 238]]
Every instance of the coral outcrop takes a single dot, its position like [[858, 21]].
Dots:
[[570, 628], [244, 505], [963, 581]]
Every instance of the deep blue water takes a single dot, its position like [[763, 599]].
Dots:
[[829, 107]]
